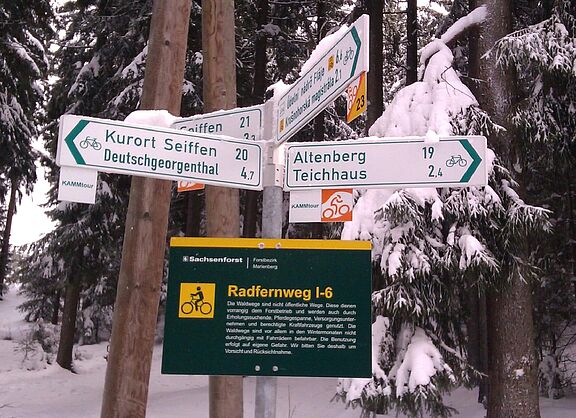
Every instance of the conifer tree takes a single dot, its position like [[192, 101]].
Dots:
[[430, 246], [24, 33], [541, 54], [100, 68]]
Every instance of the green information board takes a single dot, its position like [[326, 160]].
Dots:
[[268, 307]]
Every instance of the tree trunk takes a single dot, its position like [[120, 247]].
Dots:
[[194, 202], [477, 339], [222, 204], [513, 370], [138, 295], [258, 93], [68, 329], [412, 38], [55, 308], [376, 73], [6, 234]]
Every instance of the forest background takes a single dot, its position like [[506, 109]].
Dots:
[[483, 278]]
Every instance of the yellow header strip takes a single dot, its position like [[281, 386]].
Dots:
[[270, 243]]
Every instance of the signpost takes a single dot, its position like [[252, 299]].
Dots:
[[393, 162], [271, 307], [268, 307], [245, 123], [118, 147], [325, 80]]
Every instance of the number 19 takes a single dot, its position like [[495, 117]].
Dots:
[[428, 152]]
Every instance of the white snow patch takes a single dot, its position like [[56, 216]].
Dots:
[[322, 48], [161, 118], [421, 361]]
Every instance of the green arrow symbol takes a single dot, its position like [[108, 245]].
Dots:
[[358, 44], [70, 141], [476, 160]]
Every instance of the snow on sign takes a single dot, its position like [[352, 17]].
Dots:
[[119, 147], [245, 123], [323, 79], [391, 162]]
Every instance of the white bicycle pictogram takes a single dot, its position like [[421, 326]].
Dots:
[[336, 208]]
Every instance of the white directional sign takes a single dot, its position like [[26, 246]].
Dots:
[[390, 162], [118, 147], [245, 123], [324, 81]]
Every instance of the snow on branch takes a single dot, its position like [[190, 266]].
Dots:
[[421, 361], [475, 17]]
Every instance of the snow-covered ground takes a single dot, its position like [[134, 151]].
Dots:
[[56, 393]]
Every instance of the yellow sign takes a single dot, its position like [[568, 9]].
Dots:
[[356, 98], [197, 300], [330, 62]]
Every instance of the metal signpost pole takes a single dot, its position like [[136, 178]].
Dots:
[[323, 80], [272, 215]]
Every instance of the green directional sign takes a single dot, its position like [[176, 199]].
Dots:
[[387, 162], [268, 307], [119, 147], [324, 78]]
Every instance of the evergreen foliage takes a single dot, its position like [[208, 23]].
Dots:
[[543, 55], [24, 33], [430, 247]]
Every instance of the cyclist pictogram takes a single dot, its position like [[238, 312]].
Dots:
[[90, 141], [197, 303], [196, 300], [337, 205], [336, 208], [456, 159]]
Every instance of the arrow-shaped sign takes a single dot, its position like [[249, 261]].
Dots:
[[323, 80], [70, 141], [387, 162], [476, 160], [119, 147]]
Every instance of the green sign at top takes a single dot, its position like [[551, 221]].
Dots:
[[268, 307]]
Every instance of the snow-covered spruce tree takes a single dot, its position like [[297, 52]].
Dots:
[[543, 55], [432, 245], [99, 70], [24, 33]]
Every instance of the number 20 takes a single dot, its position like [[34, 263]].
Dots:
[[241, 154]]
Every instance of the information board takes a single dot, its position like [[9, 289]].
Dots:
[[268, 307]]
